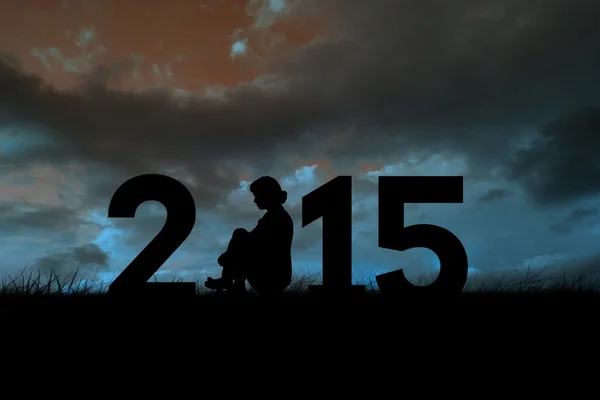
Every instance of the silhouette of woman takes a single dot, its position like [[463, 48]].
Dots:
[[263, 255]]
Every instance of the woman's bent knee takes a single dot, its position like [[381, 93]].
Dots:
[[239, 232], [238, 240]]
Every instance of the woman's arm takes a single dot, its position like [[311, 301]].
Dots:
[[261, 235]]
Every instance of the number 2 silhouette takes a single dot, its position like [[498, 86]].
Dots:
[[181, 218]]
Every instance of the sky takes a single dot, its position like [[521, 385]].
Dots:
[[217, 93]]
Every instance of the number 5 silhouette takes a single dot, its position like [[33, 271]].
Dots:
[[393, 193]]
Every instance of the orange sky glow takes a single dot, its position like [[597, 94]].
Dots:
[[184, 44]]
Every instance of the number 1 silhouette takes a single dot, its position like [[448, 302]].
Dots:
[[333, 203]]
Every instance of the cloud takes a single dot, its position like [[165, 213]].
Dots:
[[561, 165], [386, 83], [575, 217], [238, 48], [441, 71], [266, 12], [82, 257], [494, 194], [416, 76], [22, 219]]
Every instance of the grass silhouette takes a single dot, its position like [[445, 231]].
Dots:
[[40, 284], [518, 303], [519, 306]]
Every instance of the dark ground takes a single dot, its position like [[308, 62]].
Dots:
[[478, 305], [515, 309], [306, 332]]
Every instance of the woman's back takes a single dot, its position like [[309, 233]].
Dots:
[[272, 247]]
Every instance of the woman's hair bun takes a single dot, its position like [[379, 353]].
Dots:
[[283, 197]]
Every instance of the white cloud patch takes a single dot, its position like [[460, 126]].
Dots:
[[239, 48], [53, 59], [266, 12], [86, 36]]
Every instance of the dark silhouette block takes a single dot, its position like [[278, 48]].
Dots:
[[181, 218], [159, 290], [333, 203], [262, 256], [394, 192]]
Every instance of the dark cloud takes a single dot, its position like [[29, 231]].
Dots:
[[495, 194], [588, 267], [575, 217], [444, 69], [82, 257], [20, 218], [10, 60], [404, 76], [562, 164]]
